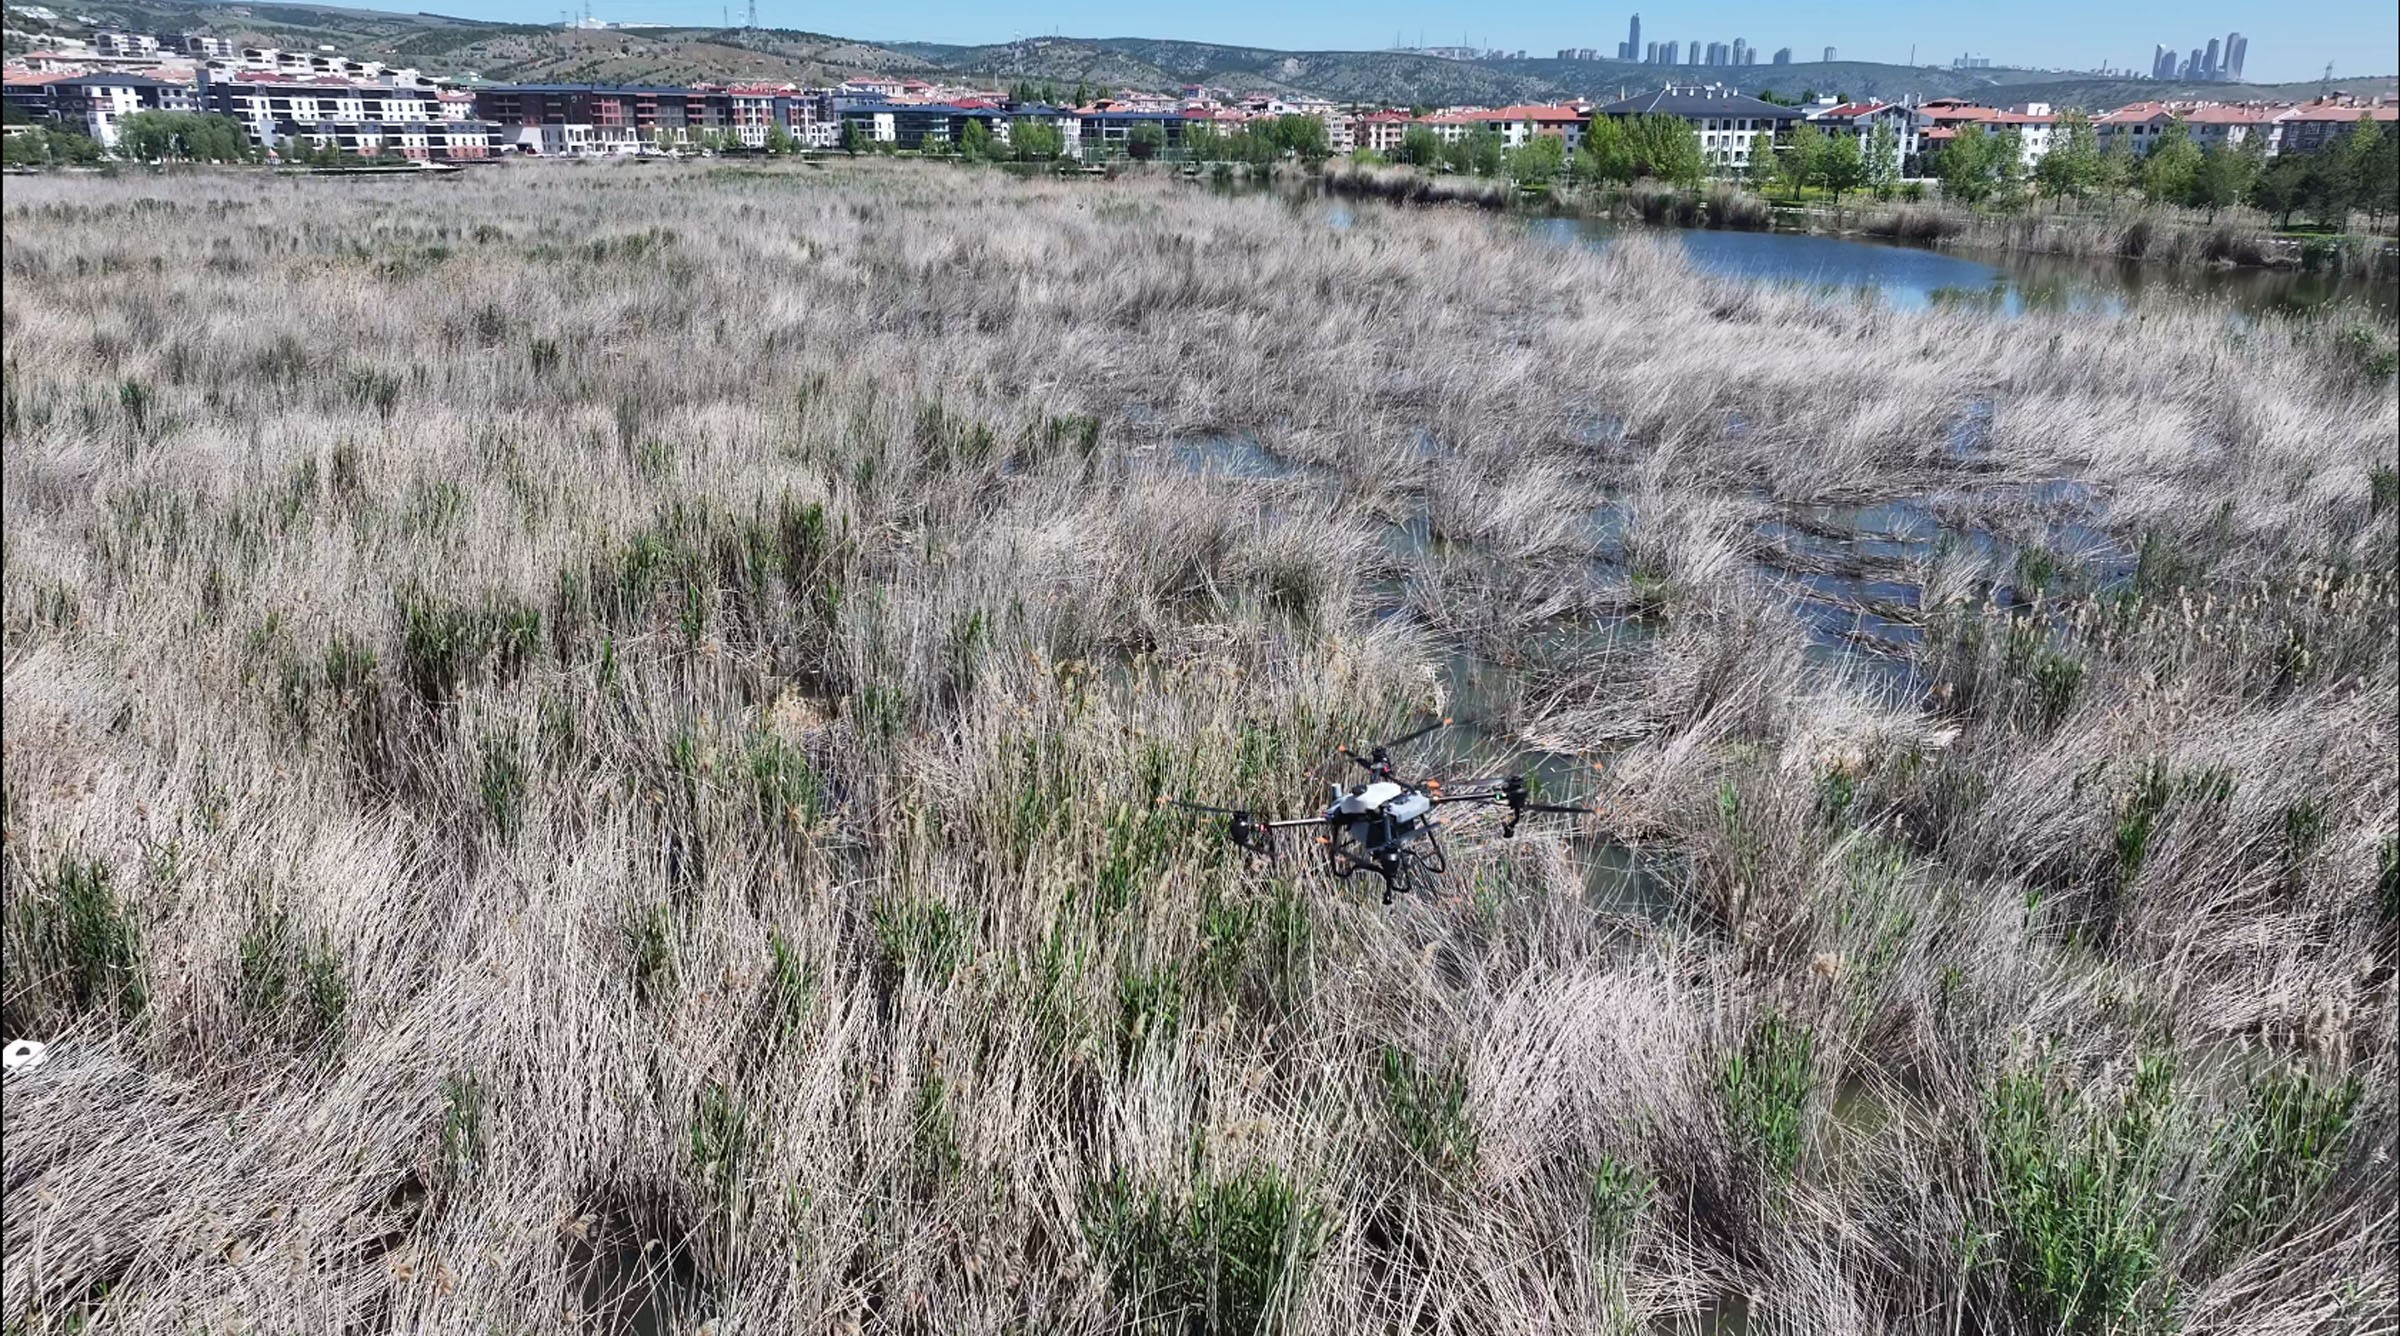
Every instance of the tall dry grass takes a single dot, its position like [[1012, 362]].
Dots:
[[580, 749]]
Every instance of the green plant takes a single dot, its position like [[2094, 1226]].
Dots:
[[1428, 1111], [1765, 1087], [2279, 1150], [1149, 1009], [462, 1124], [2137, 817], [2080, 1212], [1620, 1194], [722, 1140], [651, 936], [919, 937], [936, 1133], [288, 985], [76, 948], [1231, 1260]]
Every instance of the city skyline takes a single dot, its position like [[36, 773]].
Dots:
[[2360, 38]]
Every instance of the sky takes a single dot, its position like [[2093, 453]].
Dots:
[[2287, 41]]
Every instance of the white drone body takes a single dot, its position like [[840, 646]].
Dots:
[[1382, 798]]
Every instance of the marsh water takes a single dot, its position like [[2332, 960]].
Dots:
[[1916, 279]]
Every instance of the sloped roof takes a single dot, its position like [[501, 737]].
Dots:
[[1690, 102]]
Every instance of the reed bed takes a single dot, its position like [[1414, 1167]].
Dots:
[[582, 745]]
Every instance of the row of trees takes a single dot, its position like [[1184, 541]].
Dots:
[[145, 136], [183, 136], [1260, 141], [1613, 151], [48, 146]]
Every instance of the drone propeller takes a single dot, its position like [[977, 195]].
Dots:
[[1378, 760], [1241, 829], [1512, 790]]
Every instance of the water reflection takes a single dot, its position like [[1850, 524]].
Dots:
[[1912, 279]]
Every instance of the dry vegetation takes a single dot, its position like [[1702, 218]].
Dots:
[[581, 745]]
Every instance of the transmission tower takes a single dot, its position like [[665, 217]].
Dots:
[[751, 21]]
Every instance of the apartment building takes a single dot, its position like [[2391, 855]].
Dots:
[[94, 104], [1517, 126], [1382, 131], [363, 118], [2314, 125], [1860, 119], [1730, 125]]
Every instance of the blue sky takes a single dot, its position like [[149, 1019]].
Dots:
[[2287, 41]]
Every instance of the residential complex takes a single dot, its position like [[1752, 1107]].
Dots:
[[293, 101]]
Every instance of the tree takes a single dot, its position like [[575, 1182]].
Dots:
[[1145, 141], [854, 139], [1881, 158], [1765, 167], [1802, 160], [1484, 149], [2119, 169], [1665, 148], [2072, 167], [48, 146], [2224, 176], [2369, 165], [1840, 165], [179, 136], [2282, 188], [1420, 147], [1036, 140], [1303, 137], [974, 140], [1540, 161], [779, 141], [1976, 165], [2174, 161]]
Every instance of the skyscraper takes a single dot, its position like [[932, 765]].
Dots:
[[1633, 37], [1741, 50], [1783, 55], [2236, 47], [1650, 54], [2162, 64], [1829, 55], [2208, 66], [2191, 68], [1669, 53]]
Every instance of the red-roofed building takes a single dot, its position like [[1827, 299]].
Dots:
[[2228, 126], [1381, 131], [1518, 125], [2311, 126], [1859, 119], [2136, 126]]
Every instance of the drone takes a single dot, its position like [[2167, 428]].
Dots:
[[1386, 826]]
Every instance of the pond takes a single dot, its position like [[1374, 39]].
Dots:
[[1915, 279]]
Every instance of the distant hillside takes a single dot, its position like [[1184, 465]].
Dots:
[[443, 45], [1401, 79]]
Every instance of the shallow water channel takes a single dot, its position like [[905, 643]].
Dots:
[[1853, 577]]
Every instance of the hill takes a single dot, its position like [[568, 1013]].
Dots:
[[463, 47], [459, 47]]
